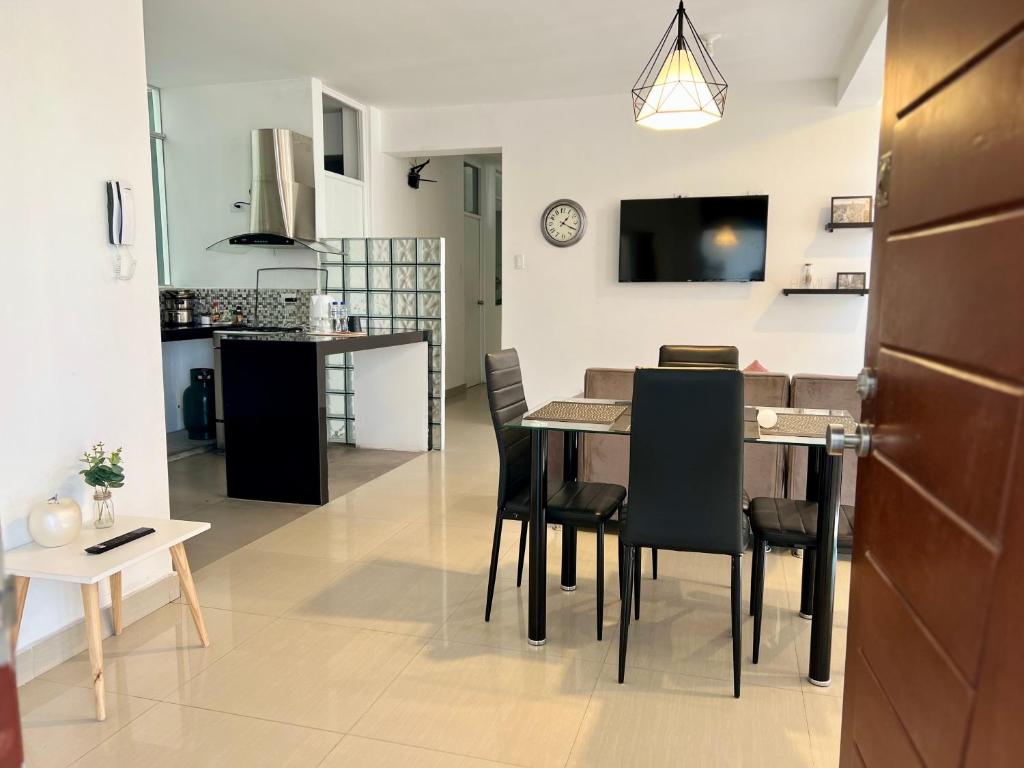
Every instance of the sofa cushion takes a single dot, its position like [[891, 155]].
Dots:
[[818, 391], [605, 458], [764, 465]]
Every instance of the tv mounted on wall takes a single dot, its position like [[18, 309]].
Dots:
[[693, 239]]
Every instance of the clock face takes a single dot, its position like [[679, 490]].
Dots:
[[563, 222]]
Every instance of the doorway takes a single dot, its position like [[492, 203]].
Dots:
[[482, 261]]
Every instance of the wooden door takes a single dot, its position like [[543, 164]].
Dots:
[[935, 661]]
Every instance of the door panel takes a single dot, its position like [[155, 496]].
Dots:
[[941, 36], [474, 312], [950, 600], [928, 695], [950, 320], [964, 136], [978, 416], [934, 665], [879, 731]]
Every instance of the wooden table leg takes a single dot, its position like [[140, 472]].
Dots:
[[115, 602], [20, 593], [188, 586], [94, 635]]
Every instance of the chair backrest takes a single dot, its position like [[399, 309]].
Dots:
[[686, 460], [507, 402], [810, 390], [689, 356]]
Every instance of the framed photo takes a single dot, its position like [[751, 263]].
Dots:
[[851, 280], [852, 210]]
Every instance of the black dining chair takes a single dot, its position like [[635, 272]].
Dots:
[[693, 356], [576, 504], [789, 523], [685, 477]]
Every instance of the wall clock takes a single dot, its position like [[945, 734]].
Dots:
[[563, 223]]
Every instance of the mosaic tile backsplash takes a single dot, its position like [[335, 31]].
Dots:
[[272, 309]]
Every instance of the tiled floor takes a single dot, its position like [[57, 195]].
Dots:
[[354, 636], [197, 489]]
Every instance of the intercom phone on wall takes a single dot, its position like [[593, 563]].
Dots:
[[121, 225]]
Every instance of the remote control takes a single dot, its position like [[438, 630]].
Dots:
[[117, 541]]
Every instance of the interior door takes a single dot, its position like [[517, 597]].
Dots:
[[474, 300], [934, 668]]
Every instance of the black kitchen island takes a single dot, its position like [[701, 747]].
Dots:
[[275, 407]]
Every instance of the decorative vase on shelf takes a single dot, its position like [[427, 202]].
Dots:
[[807, 275], [55, 522], [103, 508]]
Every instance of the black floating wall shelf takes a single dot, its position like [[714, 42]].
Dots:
[[825, 291], [832, 226]]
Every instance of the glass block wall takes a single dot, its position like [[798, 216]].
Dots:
[[394, 284]]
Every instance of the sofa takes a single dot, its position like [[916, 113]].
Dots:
[[767, 470]]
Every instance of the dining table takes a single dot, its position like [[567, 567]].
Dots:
[[795, 427]]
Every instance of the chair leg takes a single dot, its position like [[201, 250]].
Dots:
[[600, 581], [624, 616], [492, 572], [737, 639], [757, 596], [522, 553], [622, 573], [654, 562], [753, 576], [636, 581], [807, 585]]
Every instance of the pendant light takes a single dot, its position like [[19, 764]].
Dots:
[[681, 86]]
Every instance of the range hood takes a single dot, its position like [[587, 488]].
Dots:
[[282, 212]]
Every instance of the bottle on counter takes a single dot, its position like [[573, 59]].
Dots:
[[339, 317], [215, 312], [239, 317]]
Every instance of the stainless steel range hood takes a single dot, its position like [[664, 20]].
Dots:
[[282, 212]]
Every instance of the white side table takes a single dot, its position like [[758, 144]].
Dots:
[[71, 563]]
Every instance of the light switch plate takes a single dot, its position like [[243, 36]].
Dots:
[[519, 261]]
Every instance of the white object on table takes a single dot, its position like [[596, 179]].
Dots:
[[767, 418], [72, 564], [55, 522]]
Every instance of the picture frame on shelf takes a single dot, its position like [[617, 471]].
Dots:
[[852, 209], [851, 281]]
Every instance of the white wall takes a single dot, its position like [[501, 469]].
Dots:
[[567, 311], [208, 160], [433, 210], [81, 350]]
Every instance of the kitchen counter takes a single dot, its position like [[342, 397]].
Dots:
[[186, 332], [275, 406], [330, 345]]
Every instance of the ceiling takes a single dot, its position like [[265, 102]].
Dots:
[[398, 53]]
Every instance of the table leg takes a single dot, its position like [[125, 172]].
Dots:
[[829, 490], [537, 632], [570, 474], [115, 602], [94, 637], [188, 586], [20, 594]]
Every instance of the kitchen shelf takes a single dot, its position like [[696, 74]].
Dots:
[[826, 291], [832, 226]]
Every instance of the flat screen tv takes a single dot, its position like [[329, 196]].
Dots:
[[693, 239]]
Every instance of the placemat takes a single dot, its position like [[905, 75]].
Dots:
[[808, 425], [577, 412]]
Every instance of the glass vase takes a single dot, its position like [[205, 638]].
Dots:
[[103, 508]]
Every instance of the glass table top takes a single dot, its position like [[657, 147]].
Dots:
[[752, 433]]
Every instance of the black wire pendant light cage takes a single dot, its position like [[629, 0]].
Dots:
[[681, 86]]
